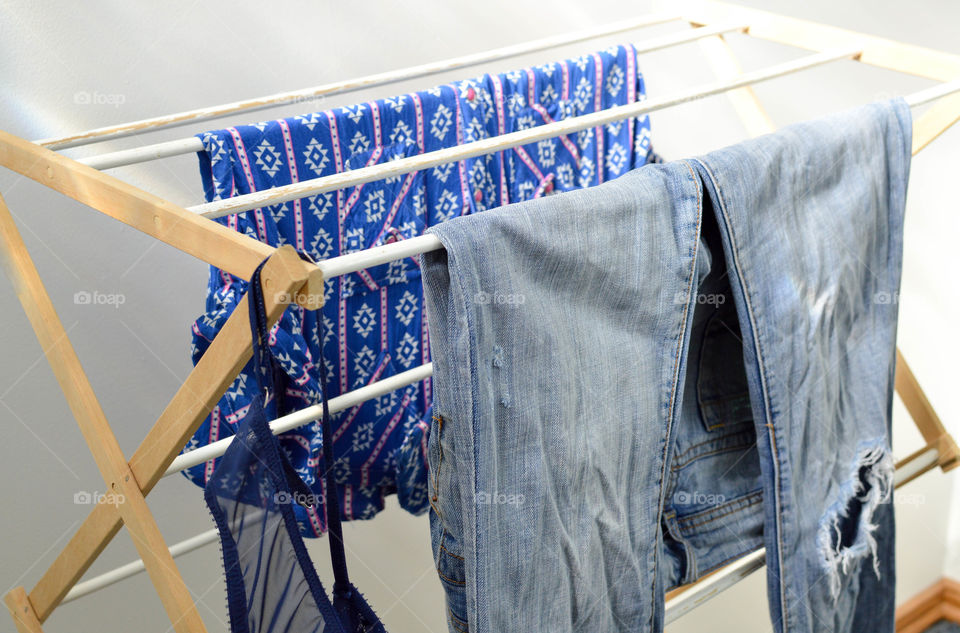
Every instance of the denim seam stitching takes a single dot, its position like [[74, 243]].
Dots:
[[689, 553], [459, 583], [711, 441], [715, 440], [735, 506], [740, 396], [449, 553], [764, 391], [457, 622], [717, 451], [704, 403], [454, 264], [435, 497], [664, 469], [714, 568]]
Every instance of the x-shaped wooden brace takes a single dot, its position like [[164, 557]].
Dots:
[[285, 275]]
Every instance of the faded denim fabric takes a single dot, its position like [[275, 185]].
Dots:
[[637, 383]]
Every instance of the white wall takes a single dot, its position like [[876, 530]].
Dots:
[[160, 58]]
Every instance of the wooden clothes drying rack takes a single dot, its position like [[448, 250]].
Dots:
[[286, 275]]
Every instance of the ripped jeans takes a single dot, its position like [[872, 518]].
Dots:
[[639, 382]]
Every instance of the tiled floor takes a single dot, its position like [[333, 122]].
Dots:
[[944, 627]]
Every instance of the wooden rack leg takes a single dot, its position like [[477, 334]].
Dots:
[[926, 128], [22, 611], [282, 277], [125, 494], [924, 416]]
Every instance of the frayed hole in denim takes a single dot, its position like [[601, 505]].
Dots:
[[846, 534]]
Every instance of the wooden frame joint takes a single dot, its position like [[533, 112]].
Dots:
[[22, 612], [940, 601], [948, 451], [305, 275]]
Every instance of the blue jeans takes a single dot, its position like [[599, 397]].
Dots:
[[639, 382]]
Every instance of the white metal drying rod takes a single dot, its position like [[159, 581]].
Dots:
[[352, 85], [307, 415], [193, 144], [314, 186], [925, 96], [677, 606], [218, 448], [136, 566], [360, 260]]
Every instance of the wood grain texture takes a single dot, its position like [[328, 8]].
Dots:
[[285, 273], [935, 121], [127, 498], [877, 51], [924, 415], [940, 601], [21, 611], [208, 241], [756, 120], [216, 370]]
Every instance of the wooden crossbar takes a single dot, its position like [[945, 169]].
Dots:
[[876, 51], [209, 241]]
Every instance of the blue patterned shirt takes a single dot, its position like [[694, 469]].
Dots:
[[373, 322]]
